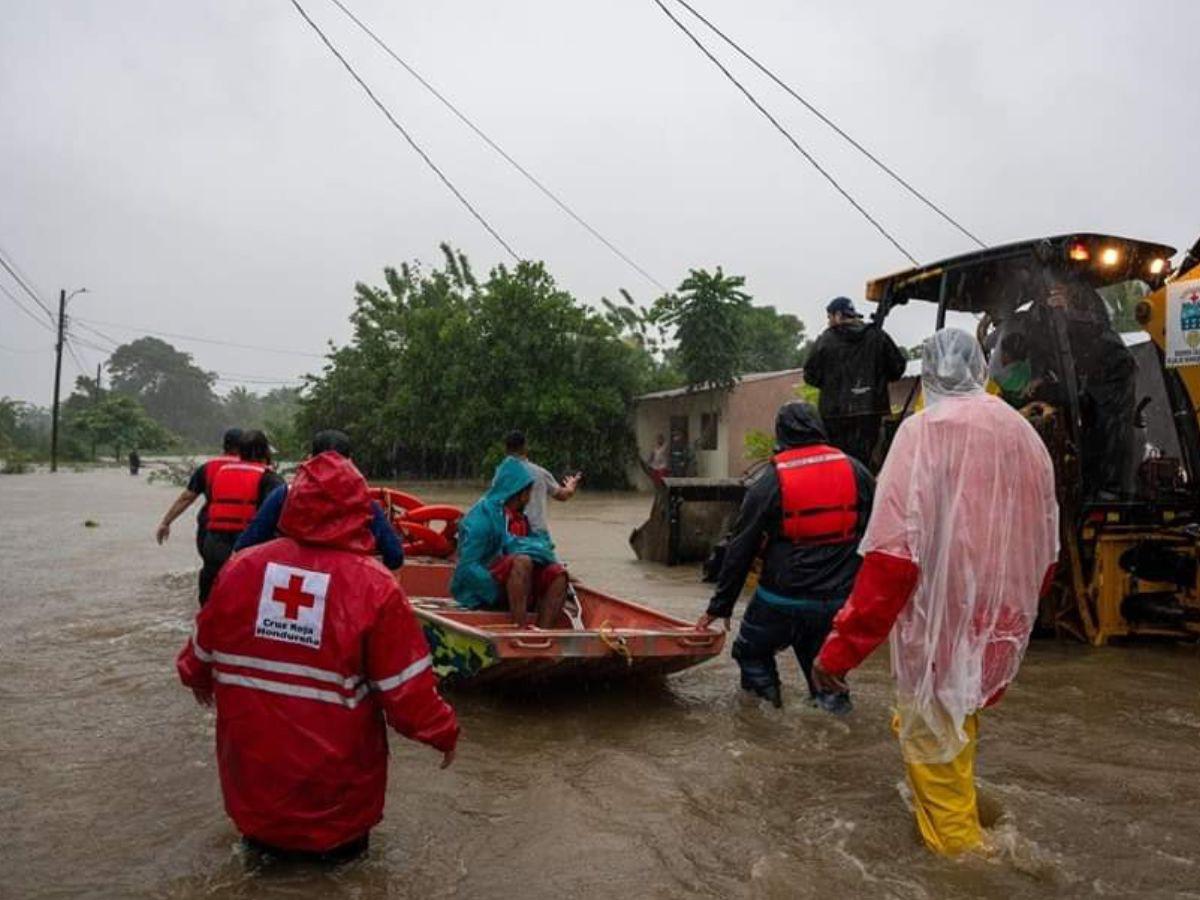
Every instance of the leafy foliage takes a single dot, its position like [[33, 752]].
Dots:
[[772, 341], [119, 422], [441, 366], [708, 315], [173, 390]]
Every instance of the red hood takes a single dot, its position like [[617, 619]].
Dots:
[[328, 505]]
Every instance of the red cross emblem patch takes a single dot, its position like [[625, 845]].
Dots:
[[291, 606]]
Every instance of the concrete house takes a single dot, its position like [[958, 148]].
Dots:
[[714, 423]]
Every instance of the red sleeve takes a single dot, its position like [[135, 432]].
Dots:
[[1047, 583], [401, 671], [881, 590], [194, 662]]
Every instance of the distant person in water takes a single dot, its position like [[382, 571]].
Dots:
[[658, 462], [544, 484], [200, 485], [309, 648], [135, 462], [501, 562], [265, 524], [238, 490]]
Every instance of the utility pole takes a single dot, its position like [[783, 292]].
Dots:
[[95, 405], [58, 348]]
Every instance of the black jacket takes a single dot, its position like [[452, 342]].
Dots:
[[801, 571], [852, 364]]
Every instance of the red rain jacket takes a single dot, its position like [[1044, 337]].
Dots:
[[311, 646]]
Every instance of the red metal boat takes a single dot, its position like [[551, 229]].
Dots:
[[616, 638]]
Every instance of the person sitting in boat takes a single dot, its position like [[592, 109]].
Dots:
[[265, 524], [805, 514], [501, 561], [544, 483]]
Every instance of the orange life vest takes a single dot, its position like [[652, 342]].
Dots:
[[820, 494], [212, 467], [234, 496]]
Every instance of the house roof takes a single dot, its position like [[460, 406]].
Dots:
[[744, 379]]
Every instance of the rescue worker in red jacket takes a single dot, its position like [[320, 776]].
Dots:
[[310, 649], [805, 514], [200, 485], [238, 489]]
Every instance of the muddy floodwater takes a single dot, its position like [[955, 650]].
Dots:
[[1090, 768]]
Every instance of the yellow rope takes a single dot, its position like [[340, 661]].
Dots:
[[615, 642]]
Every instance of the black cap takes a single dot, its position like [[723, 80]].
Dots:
[[232, 441], [842, 305]]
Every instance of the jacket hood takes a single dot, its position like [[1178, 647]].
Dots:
[[797, 425], [328, 504], [512, 476], [850, 332]]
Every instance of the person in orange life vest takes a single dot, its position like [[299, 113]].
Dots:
[[200, 485], [238, 490], [962, 542], [310, 649], [804, 514]]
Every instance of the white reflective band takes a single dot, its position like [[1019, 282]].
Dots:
[[201, 654], [292, 690], [407, 674], [285, 668], [809, 460]]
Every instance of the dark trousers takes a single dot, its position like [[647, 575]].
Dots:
[[768, 628], [855, 435], [216, 549], [335, 856]]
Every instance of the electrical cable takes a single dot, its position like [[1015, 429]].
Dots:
[[20, 279], [787, 134], [75, 356], [529, 176], [188, 337], [824, 118], [25, 309], [400, 128]]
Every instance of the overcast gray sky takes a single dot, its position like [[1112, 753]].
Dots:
[[209, 169]]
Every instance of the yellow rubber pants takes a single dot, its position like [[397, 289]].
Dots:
[[944, 797]]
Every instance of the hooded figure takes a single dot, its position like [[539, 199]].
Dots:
[[961, 544], [495, 543], [852, 364], [804, 514], [311, 650]]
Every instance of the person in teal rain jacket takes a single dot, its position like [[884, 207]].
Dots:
[[499, 559]]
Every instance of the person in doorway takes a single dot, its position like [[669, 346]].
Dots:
[[658, 462], [544, 483], [309, 649], [681, 461], [501, 560], [804, 514], [135, 462], [265, 524], [852, 365], [238, 490], [961, 544], [200, 485]]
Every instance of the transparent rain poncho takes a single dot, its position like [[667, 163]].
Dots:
[[966, 493]]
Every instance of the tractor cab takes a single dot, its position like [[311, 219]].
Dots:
[[1056, 318]]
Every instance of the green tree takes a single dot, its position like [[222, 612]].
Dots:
[[119, 422], [771, 340], [708, 316], [169, 386]]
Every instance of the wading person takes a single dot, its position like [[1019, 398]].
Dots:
[[500, 561], [265, 524], [310, 650], [544, 484], [852, 364], [657, 463], [961, 543], [238, 489], [200, 485], [805, 514]]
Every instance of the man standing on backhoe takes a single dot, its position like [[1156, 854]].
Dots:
[[852, 364]]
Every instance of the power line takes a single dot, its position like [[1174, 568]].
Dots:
[[529, 176], [824, 118], [20, 279], [25, 309], [187, 337], [787, 134], [75, 356], [400, 128]]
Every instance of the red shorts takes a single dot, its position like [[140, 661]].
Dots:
[[543, 576]]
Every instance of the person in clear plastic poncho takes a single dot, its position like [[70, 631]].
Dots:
[[961, 544]]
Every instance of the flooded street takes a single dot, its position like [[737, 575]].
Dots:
[[108, 783]]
